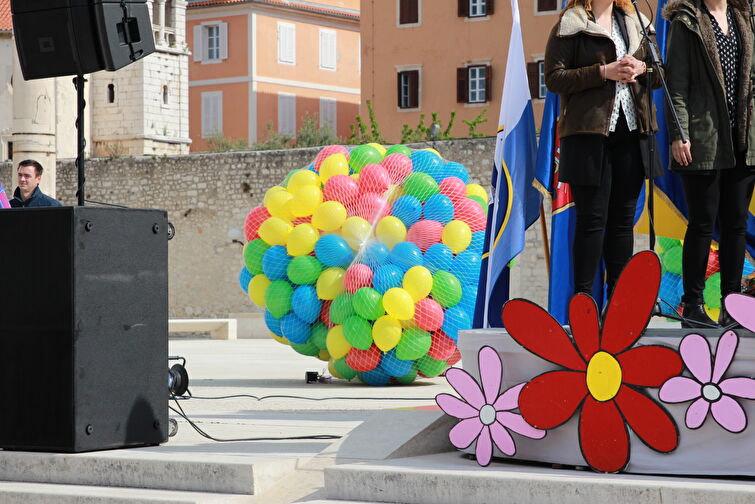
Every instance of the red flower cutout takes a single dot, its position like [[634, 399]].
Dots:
[[603, 371]]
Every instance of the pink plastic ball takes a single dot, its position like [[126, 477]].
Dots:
[[442, 346], [253, 220], [428, 314], [356, 277], [454, 188], [469, 211], [370, 206], [340, 188], [325, 314], [363, 360], [455, 357], [327, 152], [425, 233], [398, 166], [374, 179], [302, 220]]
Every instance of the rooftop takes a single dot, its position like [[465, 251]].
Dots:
[[301, 5]]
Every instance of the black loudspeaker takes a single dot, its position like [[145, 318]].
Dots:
[[71, 37], [83, 328]]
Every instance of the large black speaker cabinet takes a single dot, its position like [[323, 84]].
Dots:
[[83, 328], [70, 37]]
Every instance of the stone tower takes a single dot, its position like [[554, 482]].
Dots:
[[142, 109]]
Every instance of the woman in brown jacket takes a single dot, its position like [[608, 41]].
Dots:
[[595, 61]]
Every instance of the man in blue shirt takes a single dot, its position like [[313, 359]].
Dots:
[[27, 193]]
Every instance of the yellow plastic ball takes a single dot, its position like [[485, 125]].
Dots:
[[390, 230], [330, 283], [355, 177], [398, 304], [393, 193], [418, 282], [257, 287], [323, 355], [275, 231], [335, 164], [332, 369], [356, 231], [378, 147], [280, 339], [477, 190], [336, 342], [457, 236], [306, 200], [713, 313], [302, 240], [329, 216], [301, 179], [433, 151], [386, 332], [279, 204], [269, 193]]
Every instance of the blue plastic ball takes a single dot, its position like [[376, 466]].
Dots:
[[244, 278], [273, 324], [466, 267], [408, 209], [453, 169], [438, 257], [478, 242], [275, 262], [456, 319], [468, 299], [295, 329], [375, 255], [332, 250], [394, 366], [306, 304], [406, 255], [386, 277], [439, 207], [748, 268], [428, 162], [377, 377], [670, 292]]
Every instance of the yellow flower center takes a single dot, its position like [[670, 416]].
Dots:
[[603, 376]]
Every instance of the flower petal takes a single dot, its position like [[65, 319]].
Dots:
[[455, 407], [484, 449], [729, 414], [465, 432], [725, 350], [603, 436], [652, 424], [535, 329], [649, 365], [739, 386], [490, 373], [510, 399], [502, 439], [742, 309], [696, 413], [696, 355], [632, 302], [466, 386], [680, 389], [550, 399], [585, 328], [517, 424]]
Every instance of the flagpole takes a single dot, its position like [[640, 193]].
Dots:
[[546, 246], [491, 241]]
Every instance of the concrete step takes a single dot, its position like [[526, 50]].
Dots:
[[451, 478], [40, 493]]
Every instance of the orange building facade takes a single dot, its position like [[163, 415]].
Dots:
[[425, 56], [260, 65]]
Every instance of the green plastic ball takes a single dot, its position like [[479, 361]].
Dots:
[[712, 291], [343, 369], [362, 156], [278, 298], [341, 308], [368, 303], [414, 343], [304, 270], [420, 185], [319, 335], [672, 260], [431, 367], [358, 332], [253, 253], [446, 289], [399, 149]]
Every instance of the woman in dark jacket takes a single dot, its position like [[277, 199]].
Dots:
[[710, 69], [595, 60]]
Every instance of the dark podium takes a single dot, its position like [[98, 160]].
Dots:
[[83, 328]]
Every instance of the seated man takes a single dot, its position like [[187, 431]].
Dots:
[[27, 193]]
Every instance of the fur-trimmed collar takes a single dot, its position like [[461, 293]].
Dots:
[[675, 6], [576, 20]]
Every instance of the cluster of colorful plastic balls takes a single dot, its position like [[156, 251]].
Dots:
[[671, 283], [369, 259]]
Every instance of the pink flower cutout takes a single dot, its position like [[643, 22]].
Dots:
[[485, 414], [742, 309], [712, 394]]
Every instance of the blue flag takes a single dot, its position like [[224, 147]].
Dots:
[[515, 201]]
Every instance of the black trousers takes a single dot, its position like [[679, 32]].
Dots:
[[605, 212], [723, 195]]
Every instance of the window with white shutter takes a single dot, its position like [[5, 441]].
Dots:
[[212, 114], [327, 49], [287, 43], [287, 114], [328, 113], [211, 42]]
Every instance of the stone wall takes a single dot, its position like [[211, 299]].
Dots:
[[207, 197]]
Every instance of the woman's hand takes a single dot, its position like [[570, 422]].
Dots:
[[621, 71], [682, 152], [638, 67]]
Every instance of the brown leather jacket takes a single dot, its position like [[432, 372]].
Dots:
[[576, 49]]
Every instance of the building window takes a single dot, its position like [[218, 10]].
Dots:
[[165, 95], [327, 49], [408, 89], [473, 84], [111, 93], [287, 43], [546, 5], [408, 12], [287, 114], [212, 114], [536, 78], [211, 42], [475, 8], [328, 113]]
